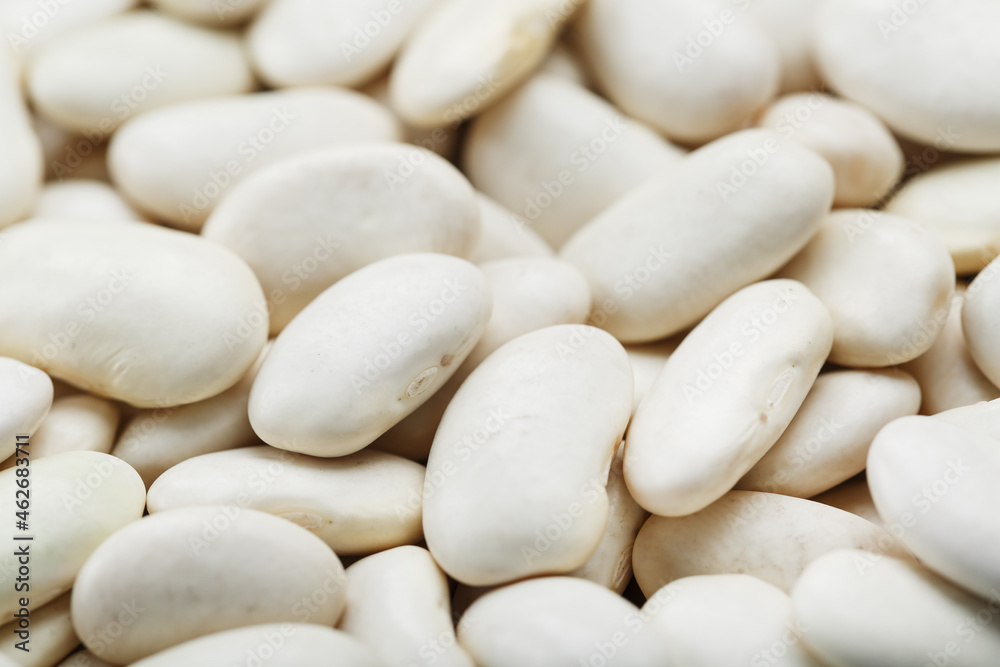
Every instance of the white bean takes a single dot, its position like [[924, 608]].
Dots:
[[145, 60], [382, 200], [383, 339], [517, 472], [663, 256], [725, 396], [357, 504], [183, 574], [121, 309]]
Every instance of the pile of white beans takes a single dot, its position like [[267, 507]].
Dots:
[[500, 333]]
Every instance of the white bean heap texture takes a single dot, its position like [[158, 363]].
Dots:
[[499, 333]]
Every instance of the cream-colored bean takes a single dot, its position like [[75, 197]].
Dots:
[[466, 54], [529, 293], [357, 504], [935, 479], [647, 58], [864, 609], [982, 418], [367, 352], [611, 563], [948, 376], [77, 423], [769, 536], [303, 42], [397, 605], [517, 472], [189, 572], [25, 400], [558, 155], [667, 253], [157, 439], [725, 396], [981, 321], [726, 619], [852, 496], [865, 158], [83, 199], [21, 163], [856, 249], [48, 639], [959, 203], [205, 147], [827, 441], [123, 310], [284, 645], [144, 61], [790, 24], [557, 621], [77, 500], [877, 53], [27, 25], [504, 235], [211, 13], [305, 222], [647, 362]]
